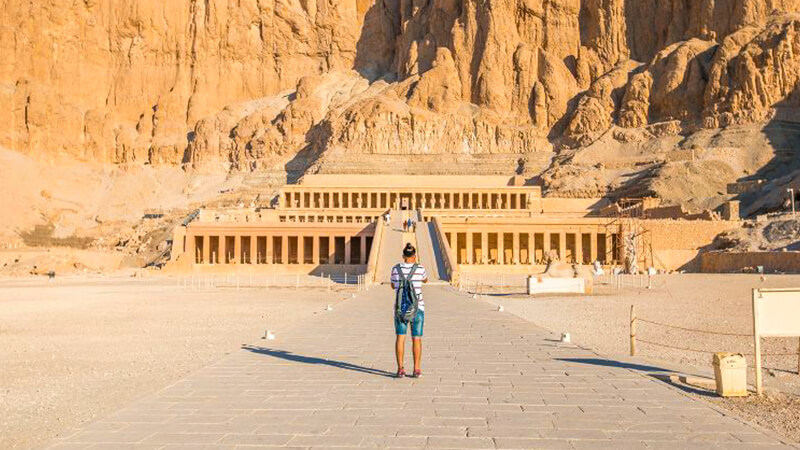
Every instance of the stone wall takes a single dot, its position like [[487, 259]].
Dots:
[[715, 262], [677, 244]]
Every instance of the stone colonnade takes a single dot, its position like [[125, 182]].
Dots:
[[219, 246], [313, 217], [498, 246], [503, 198]]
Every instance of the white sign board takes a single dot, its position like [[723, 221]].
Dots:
[[556, 286], [776, 313]]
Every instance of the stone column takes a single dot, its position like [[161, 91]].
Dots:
[[593, 246], [480, 200], [206, 249], [516, 251], [531, 248], [364, 256], [190, 249], [546, 244], [348, 250], [301, 248], [501, 248], [254, 249], [269, 251], [484, 247], [222, 257], [284, 249], [470, 248], [237, 249], [562, 246], [579, 247], [315, 250], [609, 248]]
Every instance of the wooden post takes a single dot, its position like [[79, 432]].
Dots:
[[633, 330], [757, 341]]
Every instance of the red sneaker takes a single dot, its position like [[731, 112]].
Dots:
[[400, 373], [417, 374]]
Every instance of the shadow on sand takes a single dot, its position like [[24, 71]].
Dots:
[[289, 356], [612, 363], [666, 376]]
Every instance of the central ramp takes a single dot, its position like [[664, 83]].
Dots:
[[395, 239], [392, 243]]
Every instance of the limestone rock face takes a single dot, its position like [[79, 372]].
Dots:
[[248, 85], [78, 75]]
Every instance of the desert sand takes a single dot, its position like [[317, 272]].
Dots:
[[77, 349]]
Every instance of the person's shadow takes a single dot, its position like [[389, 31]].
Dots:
[[289, 356]]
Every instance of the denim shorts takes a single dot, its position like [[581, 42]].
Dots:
[[416, 325]]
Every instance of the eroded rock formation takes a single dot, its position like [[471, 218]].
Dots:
[[218, 85]]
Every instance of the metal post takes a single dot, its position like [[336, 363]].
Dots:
[[757, 342], [633, 330]]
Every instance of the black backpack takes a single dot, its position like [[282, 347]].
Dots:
[[406, 302]]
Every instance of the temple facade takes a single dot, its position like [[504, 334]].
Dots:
[[342, 223]]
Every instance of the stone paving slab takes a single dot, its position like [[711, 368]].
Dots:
[[491, 380]]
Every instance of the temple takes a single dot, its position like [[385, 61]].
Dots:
[[465, 223]]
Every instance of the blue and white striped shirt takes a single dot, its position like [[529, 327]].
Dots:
[[420, 275]]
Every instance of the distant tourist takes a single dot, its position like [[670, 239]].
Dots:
[[407, 279]]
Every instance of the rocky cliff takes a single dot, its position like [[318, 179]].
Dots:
[[248, 85]]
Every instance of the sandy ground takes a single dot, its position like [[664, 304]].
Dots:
[[697, 301], [77, 349]]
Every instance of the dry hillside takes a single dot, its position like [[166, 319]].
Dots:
[[671, 98]]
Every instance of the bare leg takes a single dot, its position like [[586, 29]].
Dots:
[[399, 350], [417, 347]]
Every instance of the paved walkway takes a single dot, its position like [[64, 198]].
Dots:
[[491, 381]]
